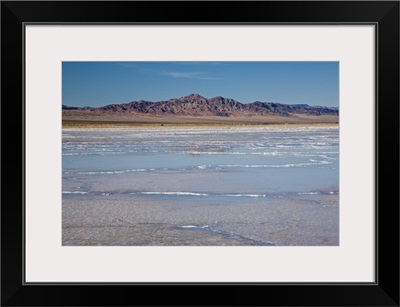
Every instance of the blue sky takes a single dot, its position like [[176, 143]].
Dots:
[[101, 83]]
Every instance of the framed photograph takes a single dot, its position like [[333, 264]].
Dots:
[[251, 147]]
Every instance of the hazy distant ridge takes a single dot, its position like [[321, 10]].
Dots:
[[196, 105]]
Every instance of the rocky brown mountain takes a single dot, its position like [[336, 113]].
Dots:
[[196, 105]]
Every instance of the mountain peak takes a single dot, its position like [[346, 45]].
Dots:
[[193, 96]]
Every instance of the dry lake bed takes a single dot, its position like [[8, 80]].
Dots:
[[201, 186]]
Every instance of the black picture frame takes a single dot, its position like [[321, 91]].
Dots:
[[383, 14]]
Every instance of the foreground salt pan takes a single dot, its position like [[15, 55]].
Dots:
[[201, 186]]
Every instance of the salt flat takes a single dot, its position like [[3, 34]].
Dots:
[[263, 185]]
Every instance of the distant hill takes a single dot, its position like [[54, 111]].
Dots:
[[195, 109], [196, 105]]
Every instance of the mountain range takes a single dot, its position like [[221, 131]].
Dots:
[[198, 106]]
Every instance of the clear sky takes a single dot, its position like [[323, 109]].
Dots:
[[101, 83]]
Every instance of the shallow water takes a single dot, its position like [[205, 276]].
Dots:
[[201, 186]]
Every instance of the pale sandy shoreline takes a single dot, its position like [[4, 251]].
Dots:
[[69, 121], [139, 125]]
